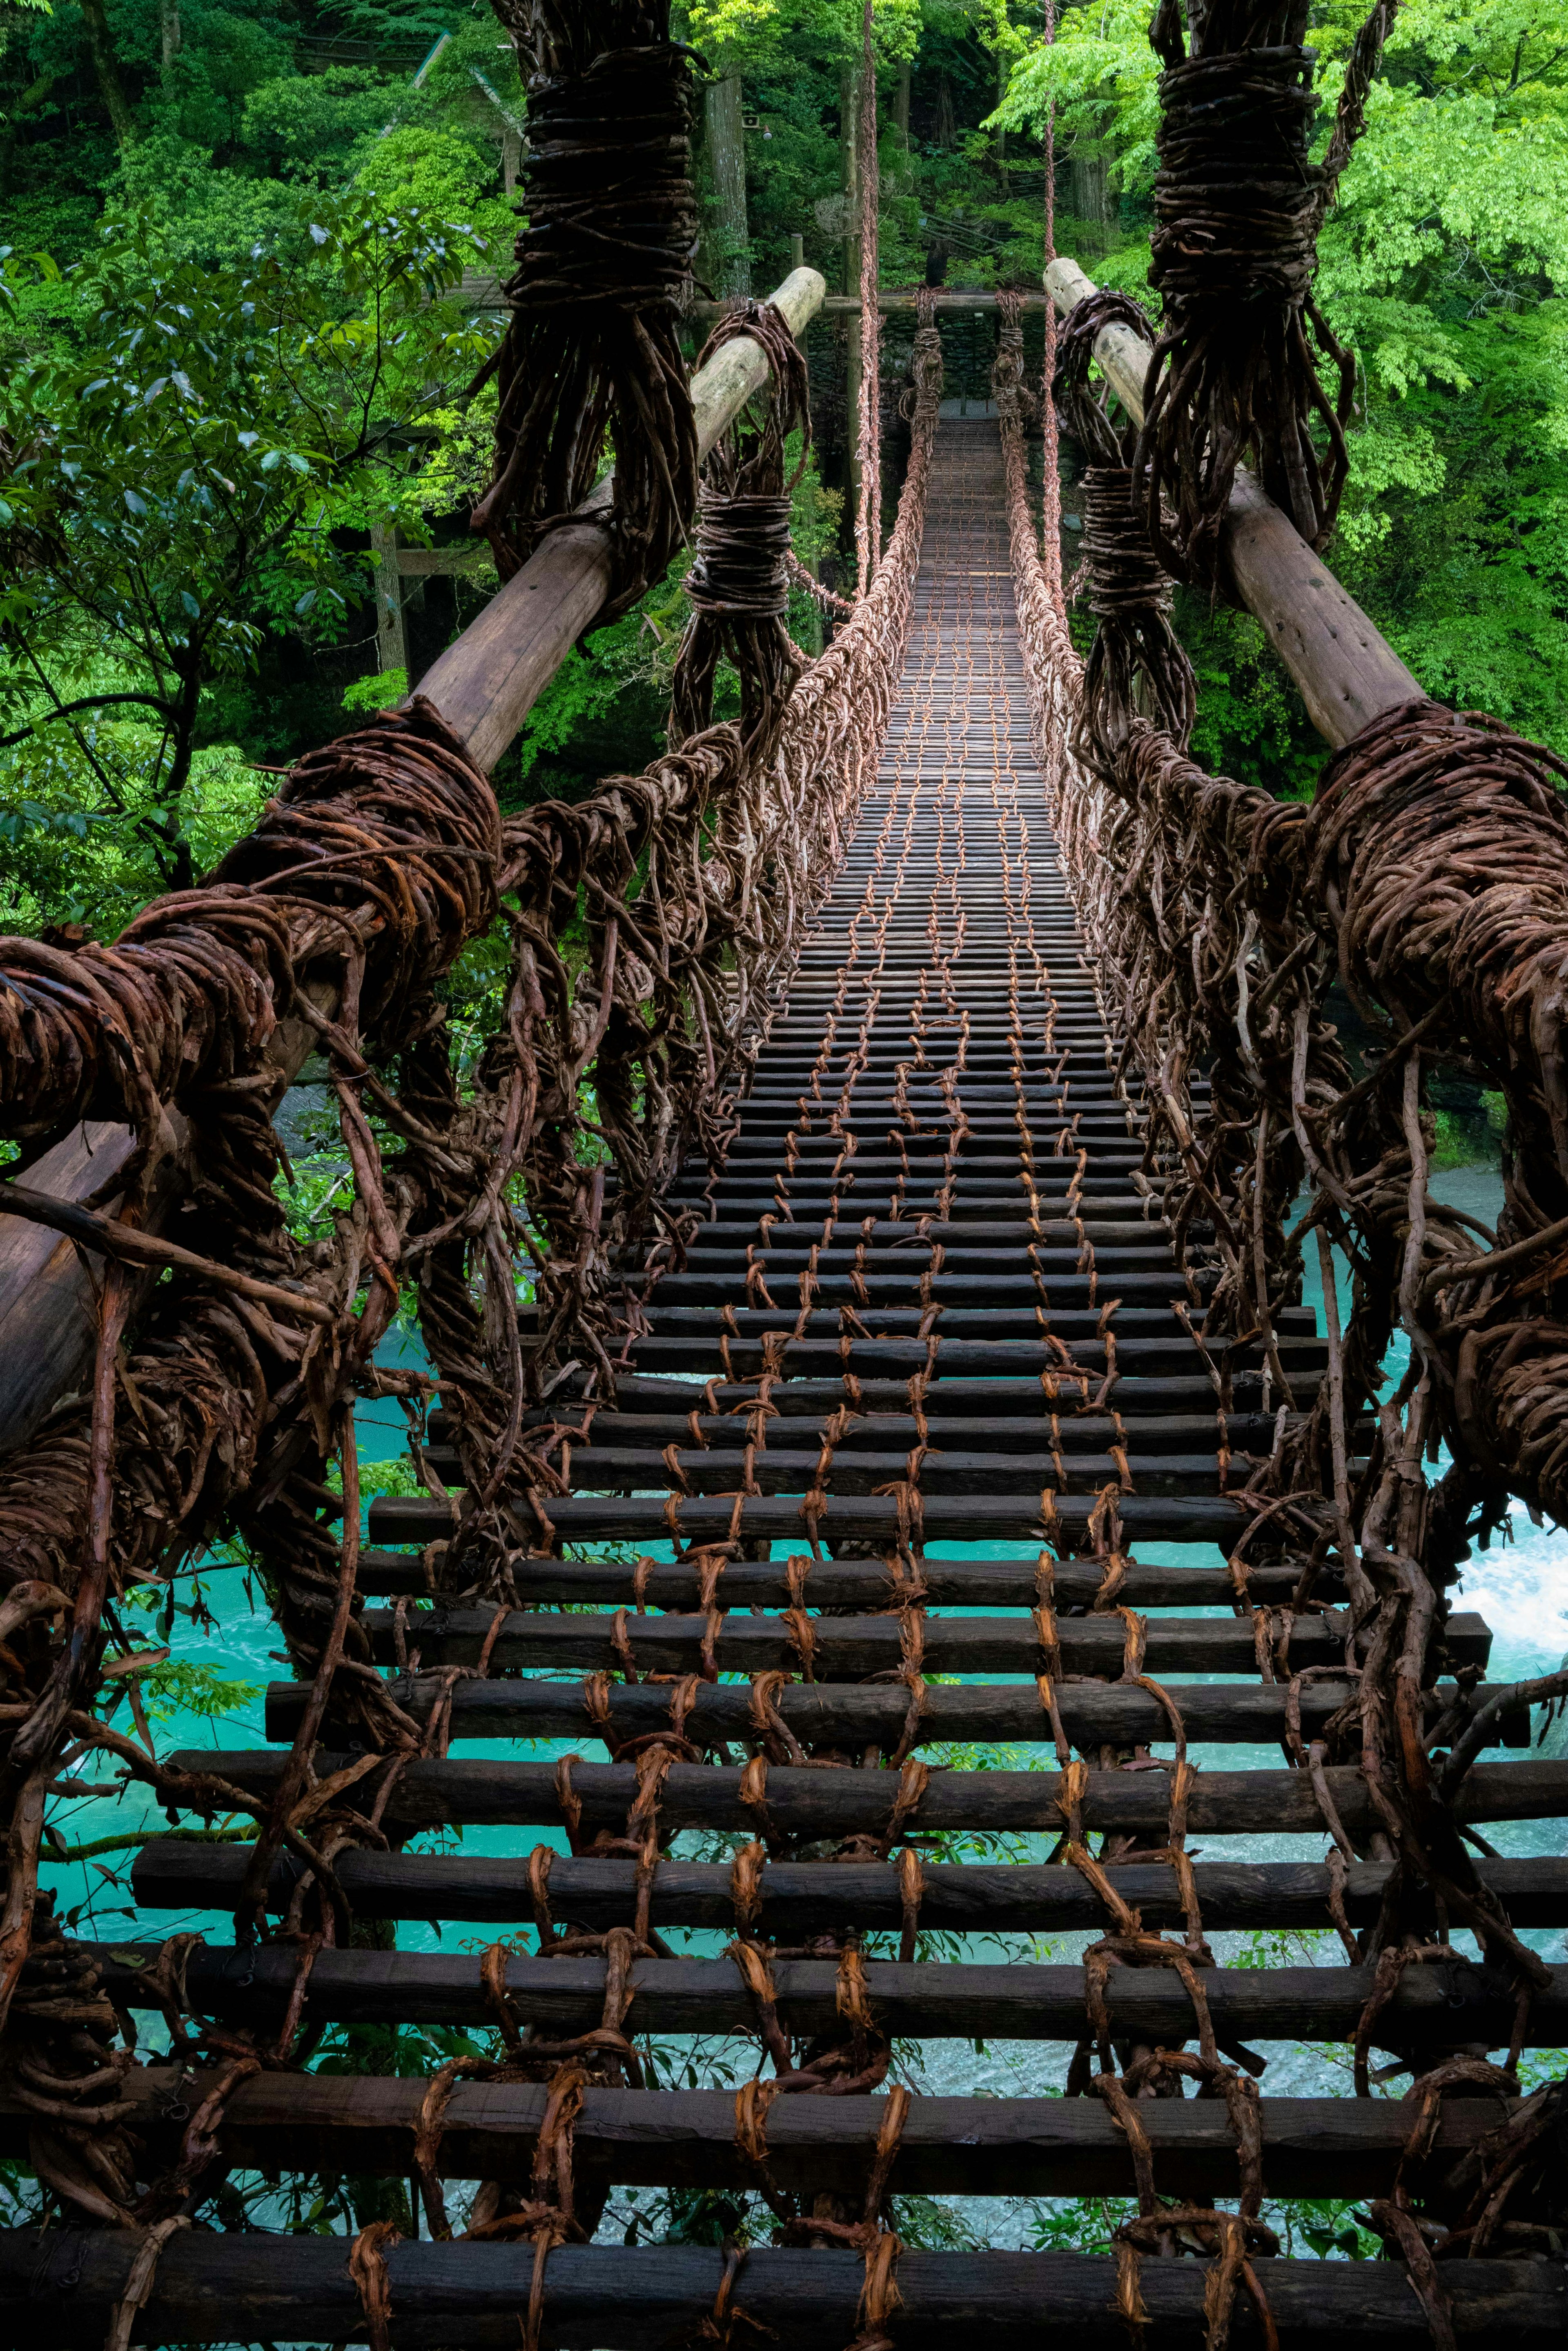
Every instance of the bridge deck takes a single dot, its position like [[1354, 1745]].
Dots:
[[933, 1298]]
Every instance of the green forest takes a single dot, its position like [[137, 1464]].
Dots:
[[246, 259]]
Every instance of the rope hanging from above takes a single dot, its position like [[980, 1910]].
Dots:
[[867, 512], [592, 345], [1136, 667], [1235, 375], [739, 583], [1051, 487]]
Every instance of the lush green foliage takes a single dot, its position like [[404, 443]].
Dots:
[[1444, 265]]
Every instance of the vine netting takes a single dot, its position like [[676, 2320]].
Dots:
[[1427, 876]]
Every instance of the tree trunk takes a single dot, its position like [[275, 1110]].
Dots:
[[727, 157], [901, 101], [169, 26], [107, 67], [1090, 199]]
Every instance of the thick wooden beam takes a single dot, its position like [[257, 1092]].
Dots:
[[803, 1802], [1435, 2005], [241, 2287], [858, 1715], [801, 1899], [857, 1582], [1347, 672], [316, 2123], [848, 1649], [485, 684]]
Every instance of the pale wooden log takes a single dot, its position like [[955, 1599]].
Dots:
[[806, 1803], [485, 684], [1348, 673]]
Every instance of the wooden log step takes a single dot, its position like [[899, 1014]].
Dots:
[[801, 1899], [320, 2124], [856, 1715], [1060, 1235], [1435, 2006], [1134, 1399], [610, 1469], [821, 1805], [1076, 1433], [848, 1649], [895, 1356], [788, 1251], [642, 1518], [1021, 1324], [1013, 1294], [61, 2286], [808, 1200], [866, 1583]]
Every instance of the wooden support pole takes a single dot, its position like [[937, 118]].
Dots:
[[1092, 1714], [801, 1899], [1434, 2006], [321, 2123], [1348, 673], [484, 686], [803, 1802]]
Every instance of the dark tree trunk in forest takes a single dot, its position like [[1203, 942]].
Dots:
[[168, 26], [1091, 196], [105, 65], [727, 160], [901, 100]]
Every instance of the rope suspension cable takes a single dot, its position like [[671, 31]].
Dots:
[[868, 510]]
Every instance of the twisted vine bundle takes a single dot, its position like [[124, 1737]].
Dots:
[[1430, 875], [1137, 666], [739, 583], [592, 349], [1235, 373]]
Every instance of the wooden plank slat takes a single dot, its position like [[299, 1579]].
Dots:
[[617, 2298], [817, 1804]]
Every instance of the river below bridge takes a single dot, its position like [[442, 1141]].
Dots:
[[1520, 1587]]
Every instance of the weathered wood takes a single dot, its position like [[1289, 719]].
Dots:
[[320, 2123], [845, 1649], [485, 684], [58, 2291], [857, 1583], [1434, 2007], [1347, 671], [800, 1899], [640, 1519], [818, 1804], [856, 1715]]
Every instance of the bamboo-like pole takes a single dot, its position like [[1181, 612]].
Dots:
[[484, 686]]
